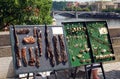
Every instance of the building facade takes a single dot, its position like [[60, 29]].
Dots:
[[100, 5]]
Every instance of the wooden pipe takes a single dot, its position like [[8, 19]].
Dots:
[[18, 62], [23, 31], [35, 31], [39, 41], [17, 50], [62, 48], [31, 61], [48, 49], [57, 52], [37, 57], [23, 55]]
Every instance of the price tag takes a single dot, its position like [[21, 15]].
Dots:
[[103, 30], [57, 30]]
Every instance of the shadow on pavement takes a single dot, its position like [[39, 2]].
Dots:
[[114, 74]]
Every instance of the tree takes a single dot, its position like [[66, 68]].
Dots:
[[59, 5], [25, 12], [117, 10]]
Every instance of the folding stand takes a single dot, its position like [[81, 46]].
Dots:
[[35, 77], [55, 73], [28, 76], [88, 70], [73, 74]]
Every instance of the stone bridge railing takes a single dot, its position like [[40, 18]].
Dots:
[[6, 66], [67, 13], [88, 14], [5, 48]]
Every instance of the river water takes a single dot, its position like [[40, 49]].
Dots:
[[111, 22]]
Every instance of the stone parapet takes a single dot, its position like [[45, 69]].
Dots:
[[5, 51], [6, 68], [4, 39], [114, 32]]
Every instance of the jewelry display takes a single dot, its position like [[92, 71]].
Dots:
[[88, 42], [100, 41], [77, 44]]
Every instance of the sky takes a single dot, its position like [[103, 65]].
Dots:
[[80, 0]]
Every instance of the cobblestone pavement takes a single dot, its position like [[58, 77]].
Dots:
[[112, 70]]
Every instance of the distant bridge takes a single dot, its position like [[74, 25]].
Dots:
[[70, 13], [77, 14]]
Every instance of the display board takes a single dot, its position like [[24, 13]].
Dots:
[[38, 48], [88, 42], [100, 41], [77, 43]]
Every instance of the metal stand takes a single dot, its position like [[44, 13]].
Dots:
[[38, 76], [88, 70], [55, 73], [28, 75], [74, 72]]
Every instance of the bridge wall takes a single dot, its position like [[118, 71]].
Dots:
[[84, 14]]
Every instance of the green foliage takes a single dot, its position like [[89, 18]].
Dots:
[[72, 8], [108, 10], [111, 10], [117, 10], [58, 5], [25, 12], [85, 9], [62, 5]]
